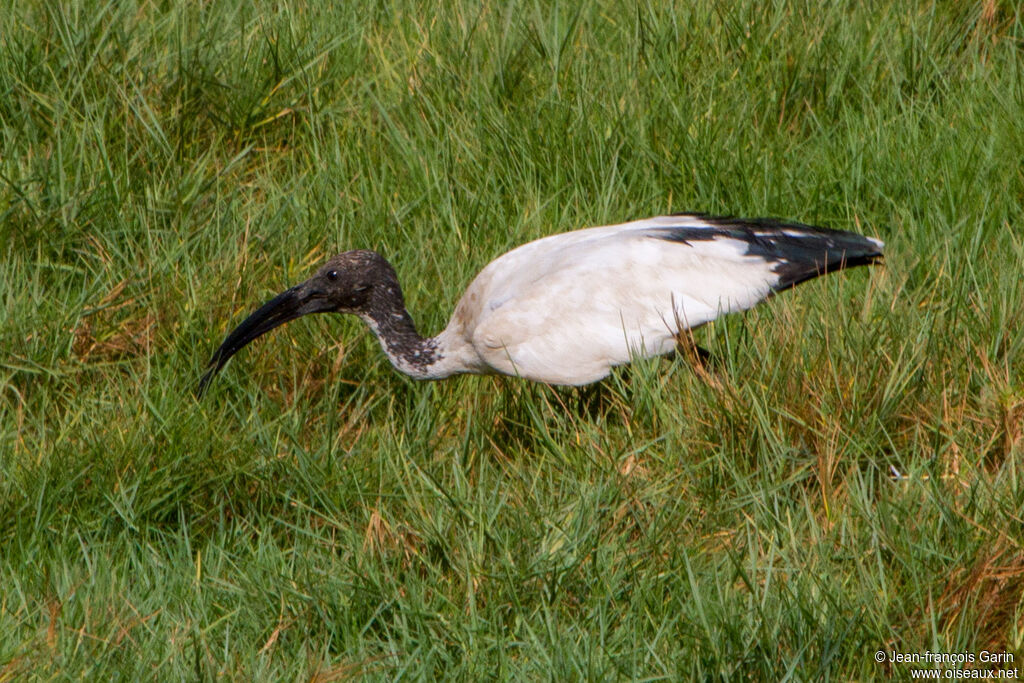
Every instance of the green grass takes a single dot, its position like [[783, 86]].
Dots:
[[165, 167]]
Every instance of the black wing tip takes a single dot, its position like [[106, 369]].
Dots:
[[767, 223], [799, 252], [783, 235], [792, 273]]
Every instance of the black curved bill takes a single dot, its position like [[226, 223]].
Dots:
[[287, 305]]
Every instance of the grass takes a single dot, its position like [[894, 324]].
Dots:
[[847, 480]]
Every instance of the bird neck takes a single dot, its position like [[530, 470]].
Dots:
[[408, 351]]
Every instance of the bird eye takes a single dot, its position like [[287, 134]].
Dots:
[[332, 275]]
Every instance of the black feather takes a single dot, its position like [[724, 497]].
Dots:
[[799, 252]]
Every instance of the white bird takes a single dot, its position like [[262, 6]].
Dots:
[[567, 308]]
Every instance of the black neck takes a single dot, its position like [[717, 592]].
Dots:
[[391, 322]]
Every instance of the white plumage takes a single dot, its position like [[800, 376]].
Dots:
[[567, 308]]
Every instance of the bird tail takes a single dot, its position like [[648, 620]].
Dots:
[[797, 251], [805, 253]]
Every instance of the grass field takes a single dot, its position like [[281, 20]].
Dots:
[[847, 479]]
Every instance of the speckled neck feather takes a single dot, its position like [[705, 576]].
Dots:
[[387, 316]]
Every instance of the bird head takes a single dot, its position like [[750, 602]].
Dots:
[[351, 282]]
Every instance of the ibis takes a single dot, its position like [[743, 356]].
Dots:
[[566, 309]]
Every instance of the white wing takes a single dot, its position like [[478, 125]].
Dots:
[[565, 309]]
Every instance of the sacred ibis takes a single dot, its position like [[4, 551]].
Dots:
[[567, 308]]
